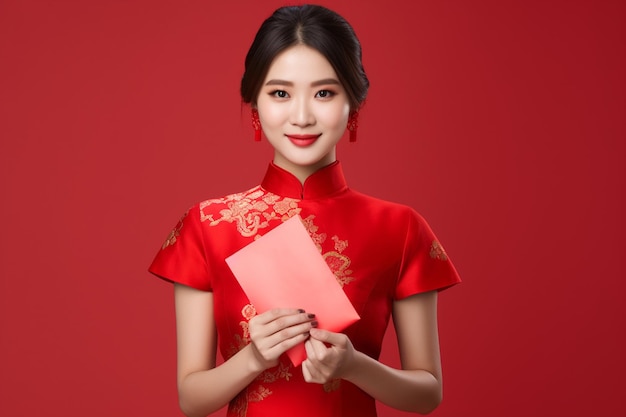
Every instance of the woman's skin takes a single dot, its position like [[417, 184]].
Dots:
[[304, 112], [301, 95]]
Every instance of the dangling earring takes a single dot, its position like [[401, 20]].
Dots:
[[353, 124], [256, 124]]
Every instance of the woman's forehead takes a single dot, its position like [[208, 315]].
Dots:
[[300, 64]]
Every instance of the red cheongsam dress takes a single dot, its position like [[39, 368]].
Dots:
[[379, 252]]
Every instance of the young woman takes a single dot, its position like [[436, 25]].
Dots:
[[305, 83]]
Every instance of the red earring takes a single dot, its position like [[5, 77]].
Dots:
[[256, 124], [353, 124]]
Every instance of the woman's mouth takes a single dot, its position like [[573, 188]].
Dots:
[[303, 140]]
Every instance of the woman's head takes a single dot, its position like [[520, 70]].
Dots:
[[316, 27]]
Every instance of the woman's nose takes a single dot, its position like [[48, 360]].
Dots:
[[301, 114]]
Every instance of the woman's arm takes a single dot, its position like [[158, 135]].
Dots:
[[204, 388], [416, 387]]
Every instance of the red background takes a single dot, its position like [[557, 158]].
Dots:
[[501, 122]]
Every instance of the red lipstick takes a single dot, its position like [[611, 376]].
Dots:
[[303, 140]]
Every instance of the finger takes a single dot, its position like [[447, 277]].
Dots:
[[269, 354], [317, 349], [275, 313], [335, 339], [308, 347], [285, 344], [291, 324], [310, 373], [288, 333], [276, 320], [306, 373]]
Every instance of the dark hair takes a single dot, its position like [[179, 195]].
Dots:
[[313, 26]]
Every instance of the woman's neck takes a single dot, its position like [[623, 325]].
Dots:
[[302, 172]]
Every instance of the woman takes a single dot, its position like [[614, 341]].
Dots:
[[305, 83]]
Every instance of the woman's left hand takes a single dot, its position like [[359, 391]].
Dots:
[[329, 356]]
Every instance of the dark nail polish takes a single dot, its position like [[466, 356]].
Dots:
[[300, 310], [311, 315], [314, 323]]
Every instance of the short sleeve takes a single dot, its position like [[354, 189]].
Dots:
[[425, 264], [182, 258]]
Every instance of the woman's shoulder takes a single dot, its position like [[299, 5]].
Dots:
[[240, 207], [216, 204], [377, 204], [244, 196]]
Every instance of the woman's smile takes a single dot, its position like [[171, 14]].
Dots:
[[303, 140]]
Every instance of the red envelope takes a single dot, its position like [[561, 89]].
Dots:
[[285, 269]]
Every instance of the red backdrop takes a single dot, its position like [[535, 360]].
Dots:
[[501, 122]]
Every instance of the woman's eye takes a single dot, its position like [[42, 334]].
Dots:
[[324, 94], [279, 94]]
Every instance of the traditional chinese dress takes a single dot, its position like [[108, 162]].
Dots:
[[379, 252]]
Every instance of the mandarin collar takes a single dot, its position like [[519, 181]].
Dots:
[[322, 183]]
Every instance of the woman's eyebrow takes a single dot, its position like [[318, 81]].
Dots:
[[325, 81], [279, 82]]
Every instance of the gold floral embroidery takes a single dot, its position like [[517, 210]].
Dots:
[[171, 238], [340, 245], [258, 394], [285, 206], [339, 264], [237, 344], [437, 251], [282, 371], [254, 393], [251, 211], [310, 227], [239, 404], [332, 385], [248, 311], [240, 341]]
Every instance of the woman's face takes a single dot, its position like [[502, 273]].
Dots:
[[303, 110]]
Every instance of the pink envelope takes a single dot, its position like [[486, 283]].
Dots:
[[284, 268]]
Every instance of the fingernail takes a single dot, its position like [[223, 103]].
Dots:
[[314, 323], [300, 310], [311, 315]]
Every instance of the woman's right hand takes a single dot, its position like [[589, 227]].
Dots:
[[276, 331]]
